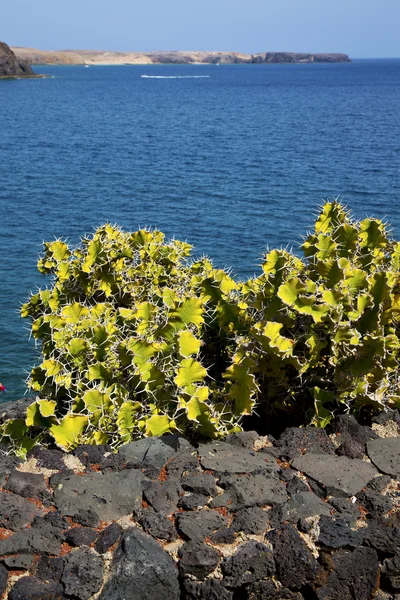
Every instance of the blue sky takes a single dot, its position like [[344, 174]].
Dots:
[[361, 28]]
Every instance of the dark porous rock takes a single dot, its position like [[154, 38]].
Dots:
[[163, 495], [200, 483], [346, 508], [113, 462], [303, 506], [296, 440], [211, 589], [83, 573], [29, 588], [352, 576], [197, 559], [158, 526], [296, 485], [57, 478], [21, 561], [197, 526], [27, 485], [90, 454], [80, 536], [110, 495], [390, 574], [385, 454], [53, 520], [193, 501], [16, 512], [141, 570], [87, 518], [351, 449], [378, 484], [243, 439], [7, 464], [253, 490], [29, 541], [252, 520], [335, 532], [154, 451], [261, 590], [347, 428], [383, 537], [295, 564], [388, 415], [185, 461], [48, 568], [253, 561], [108, 537], [375, 503], [48, 459], [3, 580], [225, 458], [227, 499], [226, 535], [340, 475], [15, 409]]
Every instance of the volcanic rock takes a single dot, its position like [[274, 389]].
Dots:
[[385, 454], [83, 573], [225, 458], [197, 559], [252, 562], [11, 66], [198, 525], [29, 588]]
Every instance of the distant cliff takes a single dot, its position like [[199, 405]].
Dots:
[[11, 65], [97, 57]]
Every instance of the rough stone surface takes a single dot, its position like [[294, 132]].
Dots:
[[87, 518], [252, 562], [243, 439], [295, 564], [153, 452], [11, 66], [200, 483], [163, 495], [335, 532], [22, 561], [91, 455], [295, 441], [158, 526], [83, 573], [197, 559], [339, 474], [385, 454], [225, 458], [352, 575], [29, 541], [3, 580], [29, 588], [110, 495], [193, 501], [141, 570], [27, 485], [80, 536], [108, 537], [303, 506], [255, 490], [211, 589], [7, 464], [16, 512], [197, 526], [48, 459], [266, 590], [252, 520], [391, 574], [48, 568]]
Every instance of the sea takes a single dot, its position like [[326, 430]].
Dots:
[[234, 159]]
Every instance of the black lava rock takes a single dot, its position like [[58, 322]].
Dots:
[[253, 490], [29, 588], [16, 512], [376, 504], [197, 559], [351, 575], [226, 535], [200, 483], [193, 502], [295, 441], [108, 537], [48, 459], [27, 485], [391, 574], [295, 564], [252, 520], [211, 589], [90, 454], [87, 518], [3, 580], [197, 526], [163, 495], [267, 590], [243, 439], [83, 573], [335, 532], [48, 568], [253, 561], [80, 536], [158, 526], [141, 567], [21, 561]]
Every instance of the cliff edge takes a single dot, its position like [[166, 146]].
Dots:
[[11, 65]]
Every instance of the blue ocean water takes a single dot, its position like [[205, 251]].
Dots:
[[232, 160]]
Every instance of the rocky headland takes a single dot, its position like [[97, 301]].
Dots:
[[308, 516], [94, 57], [12, 66]]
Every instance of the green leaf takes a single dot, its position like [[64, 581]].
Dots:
[[51, 367], [73, 313], [69, 430], [59, 250], [190, 311], [94, 251], [188, 344], [271, 339], [95, 400], [99, 371], [189, 372], [47, 407], [77, 346], [322, 416], [158, 425]]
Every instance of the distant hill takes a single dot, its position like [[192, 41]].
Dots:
[[99, 57], [11, 65]]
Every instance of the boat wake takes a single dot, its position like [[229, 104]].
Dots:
[[175, 76]]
